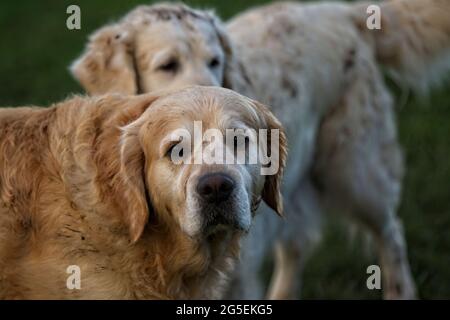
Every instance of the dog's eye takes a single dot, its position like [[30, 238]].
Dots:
[[171, 66], [170, 150], [214, 63]]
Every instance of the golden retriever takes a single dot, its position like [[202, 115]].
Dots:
[[318, 65], [89, 183]]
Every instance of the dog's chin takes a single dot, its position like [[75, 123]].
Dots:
[[231, 216], [208, 220], [211, 231], [230, 223]]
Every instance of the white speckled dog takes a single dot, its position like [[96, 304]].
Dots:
[[318, 65]]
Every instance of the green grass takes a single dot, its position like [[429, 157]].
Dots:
[[37, 48]]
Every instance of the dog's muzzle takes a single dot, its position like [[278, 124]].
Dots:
[[218, 197]]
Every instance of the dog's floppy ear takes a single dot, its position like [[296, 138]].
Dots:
[[271, 193], [234, 73], [136, 205], [107, 64]]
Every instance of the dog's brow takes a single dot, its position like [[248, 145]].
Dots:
[[237, 125]]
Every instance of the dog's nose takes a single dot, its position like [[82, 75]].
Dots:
[[215, 187]]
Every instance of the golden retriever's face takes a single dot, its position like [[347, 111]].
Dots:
[[160, 47], [204, 197], [173, 54]]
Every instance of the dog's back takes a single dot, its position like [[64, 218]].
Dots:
[[23, 147], [23, 150], [43, 171]]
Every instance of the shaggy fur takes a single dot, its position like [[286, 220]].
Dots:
[[84, 183], [318, 65]]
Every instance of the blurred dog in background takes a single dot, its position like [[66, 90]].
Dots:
[[318, 65]]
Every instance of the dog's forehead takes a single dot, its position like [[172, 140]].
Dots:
[[172, 23], [213, 106], [197, 30], [167, 12]]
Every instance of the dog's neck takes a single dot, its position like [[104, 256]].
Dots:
[[187, 268]]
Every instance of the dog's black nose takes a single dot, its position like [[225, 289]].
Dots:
[[215, 187]]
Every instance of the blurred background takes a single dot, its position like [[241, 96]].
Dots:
[[37, 48]]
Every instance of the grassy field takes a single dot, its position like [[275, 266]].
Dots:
[[37, 48]]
